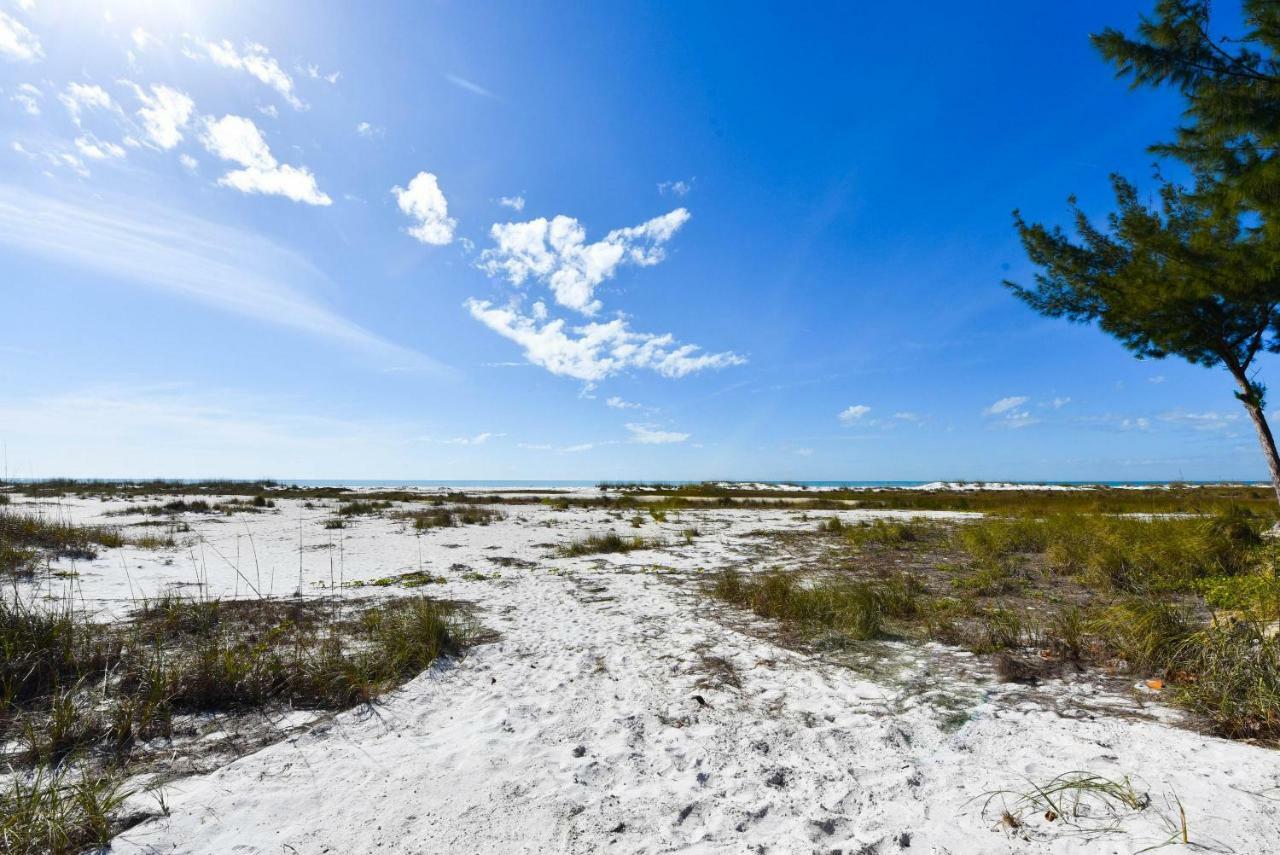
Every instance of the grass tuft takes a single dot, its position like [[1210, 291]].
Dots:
[[604, 543]]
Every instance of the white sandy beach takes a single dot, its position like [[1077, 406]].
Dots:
[[597, 721]]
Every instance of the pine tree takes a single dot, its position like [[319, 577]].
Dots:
[[1232, 91], [1187, 279], [1199, 275]]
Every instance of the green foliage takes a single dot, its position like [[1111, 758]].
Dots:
[[1231, 126], [1236, 679], [1120, 553], [856, 610], [1148, 634], [59, 813], [1189, 279]]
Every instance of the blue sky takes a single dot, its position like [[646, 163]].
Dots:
[[553, 240]]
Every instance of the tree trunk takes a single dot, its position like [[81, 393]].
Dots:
[[1251, 397]]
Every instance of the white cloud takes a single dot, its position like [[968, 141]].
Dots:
[[96, 149], [675, 188], [188, 161], [556, 253], [368, 131], [1005, 404], [473, 88], [515, 203], [85, 96], [257, 61], [142, 39], [478, 439], [17, 43], [424, 202], [619, 404], [238, 139], [597, 350], [1159, 378], [1011, 414], [28, 97], [853, 414], [164, 113], [1015, 419], [313, 71], [649, 435], [804, 452], [130, 240], [1059, 403], [25, 5], [269, 111], [907, 417], [1206, 421]]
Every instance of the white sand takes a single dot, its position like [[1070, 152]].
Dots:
[[579, 730]]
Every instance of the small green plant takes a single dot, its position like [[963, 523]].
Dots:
[[887, 533], [57, 812], [604, 543], [361, 509]]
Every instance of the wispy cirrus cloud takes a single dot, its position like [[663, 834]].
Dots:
[[1004, 405], [650, 435], [853, 414], [171, 251], [469, 86], [477, 439], [254, 59], [28, 97], [1208, 420], [178, 428]]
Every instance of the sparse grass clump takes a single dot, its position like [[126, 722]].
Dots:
[[891, 534], [56, 812], [1233, 679], [853, 609], [78, 698], [24, 533], [604, 543], [451, 517], [362, 509]]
